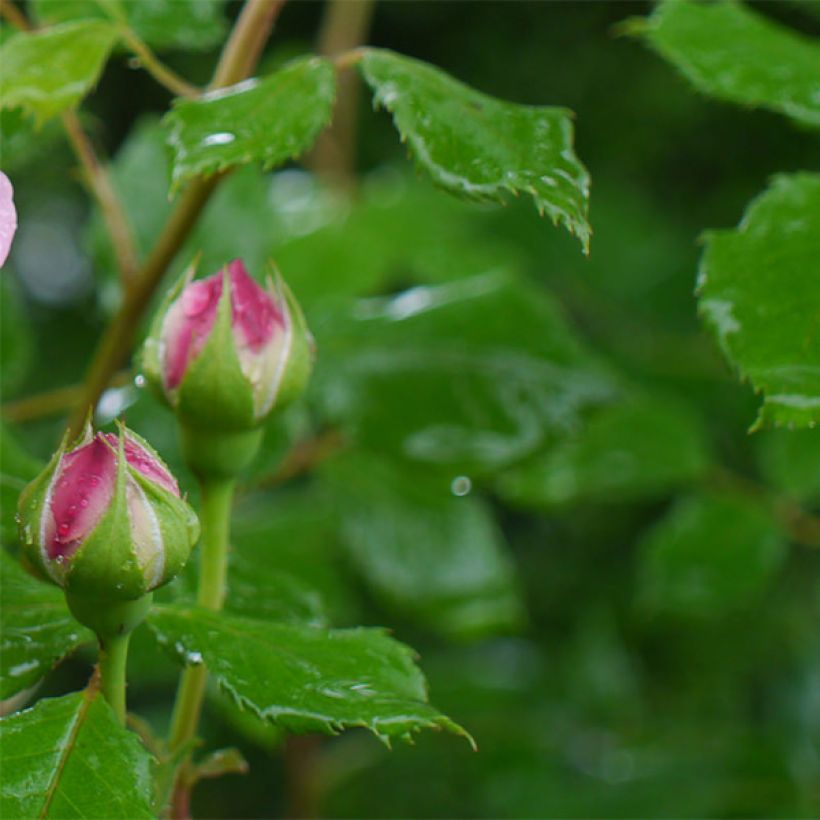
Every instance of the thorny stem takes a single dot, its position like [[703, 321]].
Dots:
[[239, 57], [97, 179]]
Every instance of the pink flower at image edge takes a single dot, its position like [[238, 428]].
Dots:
[[8, 217]]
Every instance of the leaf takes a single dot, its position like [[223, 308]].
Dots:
[[306, 679], [640, 449], [491, 365], [193, 25], [478, 147], [437, 557], [16, 336], [47, 72], [69, 757], [760, 294], [270, 120], [727, 50], [17, 468], [790, 461], [710, 555], [37, 630]]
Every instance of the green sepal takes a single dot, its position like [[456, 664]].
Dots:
[[214, 393], [301, 354]]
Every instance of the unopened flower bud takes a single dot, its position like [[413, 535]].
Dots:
[[105, 519], [224, 351]]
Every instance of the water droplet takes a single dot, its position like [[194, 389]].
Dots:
[[221, 138], [63, 531], [139, 380], [461, 485]]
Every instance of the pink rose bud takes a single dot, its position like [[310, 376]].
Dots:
[[105, 518], [224, 351], [8, 217]]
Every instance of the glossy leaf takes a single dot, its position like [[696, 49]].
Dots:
[[37, 629], [731, 52], [491, 365], [46, 72], [305, 679], [636, 450], [710, 555], [270, 120], [760, 294], [69, 757], [433, 555], [192, 25], [479, 147]]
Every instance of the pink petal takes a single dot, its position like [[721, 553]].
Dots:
[[188, 324], [8, 217], [255, 315], [146, 463], [82, 493]]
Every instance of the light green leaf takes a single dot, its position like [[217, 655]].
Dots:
[[759, 289], [46, 72], [193, 25], [270, 120], [478, 147], [637, 450], [37, 629], [306, 679], [727, 50], [69, 757], [491, 365], [435, 556], [710, 555]]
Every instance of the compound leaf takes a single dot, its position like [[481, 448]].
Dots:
[[478, 147]]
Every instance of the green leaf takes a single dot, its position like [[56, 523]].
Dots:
[[790, 461], [270, 120], [69, 757], [38, 631], [435, 556], [193, 25], [17, 468], [726, 50], [491, 365], [16, 336], [710, 555], [760, 294], [305, 679], [637, 450], [478, 147], [47, 72]]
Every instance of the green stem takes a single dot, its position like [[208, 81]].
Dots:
[[113, 658], [215, 516]]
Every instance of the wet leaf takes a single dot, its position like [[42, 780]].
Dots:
[[305, 679], [37, 630], [710, 555], [192, 25], [433, 555], [731, 52], [637, 450], [760, 294], [46, 72], [479, 147], [69, 757], [270, 120]]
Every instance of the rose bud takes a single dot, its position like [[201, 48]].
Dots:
[[224, 351], [105, 520]]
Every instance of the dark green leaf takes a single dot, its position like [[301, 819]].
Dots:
[[429, 549], [478, 147], [37, 629], [760, 294], [305, 679], [69, 757], [270, 120], [46, 72], [164, 24], [727, 50], [711, 554], [790, 462], [490, 363], [631, 451]]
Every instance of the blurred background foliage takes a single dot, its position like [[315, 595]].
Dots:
[[533, 466]]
